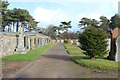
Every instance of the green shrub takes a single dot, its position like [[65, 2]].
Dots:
[[94, 42], [65, 41]]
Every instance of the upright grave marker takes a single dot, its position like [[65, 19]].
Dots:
[[20, 48], [69, 40], [117, 56], [74, 42], [113, 55]]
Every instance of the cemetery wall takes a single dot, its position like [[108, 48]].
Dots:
[[9, 42]]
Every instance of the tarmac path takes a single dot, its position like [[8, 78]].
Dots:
[[56, 63]]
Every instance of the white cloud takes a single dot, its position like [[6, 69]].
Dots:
[[102, 10], [91, 16], [47, 16]]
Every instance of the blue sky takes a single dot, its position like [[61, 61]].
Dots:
[[54, 11]]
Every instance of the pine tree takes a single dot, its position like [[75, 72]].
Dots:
[[93, 41]]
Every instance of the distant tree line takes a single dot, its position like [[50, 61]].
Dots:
[[56, 32], [104, 23], [15, 18]]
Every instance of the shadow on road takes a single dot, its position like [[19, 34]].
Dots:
[[58, 57]]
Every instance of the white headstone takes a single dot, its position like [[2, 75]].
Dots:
[[20, 48], [117, 55]]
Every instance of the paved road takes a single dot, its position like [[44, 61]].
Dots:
[[56, 63]]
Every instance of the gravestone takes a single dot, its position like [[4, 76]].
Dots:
[[117, 55], [114, 34], [20, 48], [69, 41], [74, 42]]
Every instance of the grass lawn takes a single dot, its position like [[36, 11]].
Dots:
[[30, 55], [75, 52], [73, 49], [70, 46], [98, 64]]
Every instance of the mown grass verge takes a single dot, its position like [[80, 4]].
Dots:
[[30, 55], [75, 52], [70, 46], [73, 49], [98, 64]]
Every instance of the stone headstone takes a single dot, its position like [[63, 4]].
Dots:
[[117, 55], [20, 48], [74, 42], [114, 34], [69, 40]]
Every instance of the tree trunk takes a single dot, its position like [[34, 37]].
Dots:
[[0, 28], [58, 33], [3, 28], [92, 57], [23, 27], [17, 25], [13, 26], [8, 28]]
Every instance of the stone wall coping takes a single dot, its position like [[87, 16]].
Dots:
[[25, 33], [8, 34], [34, 34]]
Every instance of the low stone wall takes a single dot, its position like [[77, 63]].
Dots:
[[9, 42]]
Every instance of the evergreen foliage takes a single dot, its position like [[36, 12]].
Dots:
[[94, 42]]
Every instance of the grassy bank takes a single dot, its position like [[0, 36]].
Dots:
[[98, 64], [29, 56], [70, 46], [73, 49]]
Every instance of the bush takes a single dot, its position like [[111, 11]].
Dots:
[[65, 41], [94, 42]]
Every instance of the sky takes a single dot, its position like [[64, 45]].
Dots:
[[53, 12]]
